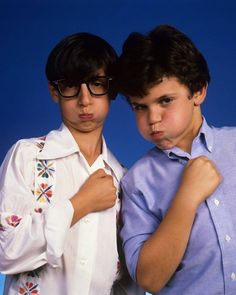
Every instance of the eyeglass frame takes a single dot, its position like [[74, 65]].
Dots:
[[55, 83]]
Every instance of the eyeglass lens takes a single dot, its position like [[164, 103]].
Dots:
[[96, 86]]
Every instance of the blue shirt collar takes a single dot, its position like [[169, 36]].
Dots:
[[204, 137]]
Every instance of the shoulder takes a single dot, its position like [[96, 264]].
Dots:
[[142, 169], [224, 135], [22, 152], [226, 130]]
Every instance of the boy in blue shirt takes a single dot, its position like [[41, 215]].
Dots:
[[179, 232]]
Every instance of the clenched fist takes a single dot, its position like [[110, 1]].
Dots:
[[96, 194]]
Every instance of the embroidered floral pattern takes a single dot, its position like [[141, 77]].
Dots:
[[29, 282], [38, 210], [44, 179], [45, 168], [40, 143], [43, 193], [29, 289], [13, 220]]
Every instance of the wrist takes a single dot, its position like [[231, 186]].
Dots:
[[186, 200]]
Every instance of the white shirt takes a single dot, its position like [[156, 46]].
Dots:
[[35, 228]]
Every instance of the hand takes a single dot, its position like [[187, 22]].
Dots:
[[96, 194], [199, 180]]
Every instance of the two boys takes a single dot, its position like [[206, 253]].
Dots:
[[58, 197]]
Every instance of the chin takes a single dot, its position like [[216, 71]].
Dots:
[[165, 146]]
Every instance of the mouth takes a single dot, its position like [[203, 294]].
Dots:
[[157, 134], [86, 117]]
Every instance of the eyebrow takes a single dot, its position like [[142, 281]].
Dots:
[[138, 101]]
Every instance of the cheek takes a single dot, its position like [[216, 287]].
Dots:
[[142, 124], [67, 108], [102, 108], [177, 120], [176, 114]]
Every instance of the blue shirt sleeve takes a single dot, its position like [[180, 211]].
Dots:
[[138, 224]]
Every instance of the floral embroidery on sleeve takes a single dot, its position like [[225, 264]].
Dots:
[[13, 220], [28, 288], [40, 142], [44, 179], [43, 193], [45, 168], [38, 210]]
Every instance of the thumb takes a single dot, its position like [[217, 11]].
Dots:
[[98, 173]]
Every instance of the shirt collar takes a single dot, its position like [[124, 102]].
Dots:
[[60, 143], [205, 136], [110, 160]]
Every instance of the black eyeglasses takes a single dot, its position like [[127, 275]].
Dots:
[[97, 86]]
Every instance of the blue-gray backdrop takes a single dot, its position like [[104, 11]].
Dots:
[[29, 30]]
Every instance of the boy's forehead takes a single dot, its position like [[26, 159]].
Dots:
[[164, 87]]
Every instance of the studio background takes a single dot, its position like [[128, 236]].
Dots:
[[30, 29]]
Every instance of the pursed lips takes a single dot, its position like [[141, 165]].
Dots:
[[156, 134], [86, 117]]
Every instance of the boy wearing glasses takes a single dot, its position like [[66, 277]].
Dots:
[[178, 240], [59, 194]]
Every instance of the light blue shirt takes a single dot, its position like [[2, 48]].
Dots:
[[209, 263]]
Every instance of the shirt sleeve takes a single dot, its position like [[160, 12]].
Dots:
[[28, 239], [138, 225]]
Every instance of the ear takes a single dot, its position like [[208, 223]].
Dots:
[[200, 95], [53, 92]]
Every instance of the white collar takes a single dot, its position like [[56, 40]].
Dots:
[[60, 143]]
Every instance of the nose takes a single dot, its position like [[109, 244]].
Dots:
[[84, 96], [154, 116]]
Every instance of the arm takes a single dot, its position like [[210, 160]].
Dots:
[[162, 250], [19, 222], [30, 239]]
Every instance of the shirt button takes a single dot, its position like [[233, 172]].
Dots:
[[82, 261], [227, 238], [233, 276], [86, 220], [217, 202]]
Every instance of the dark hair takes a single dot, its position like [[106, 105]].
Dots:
[[164, 52], [78, 57]]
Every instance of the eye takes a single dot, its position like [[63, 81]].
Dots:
[[66, 87], [138, 107], [97, 83], [165, 101]]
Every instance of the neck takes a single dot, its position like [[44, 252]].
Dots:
[[90, 144], [192, 132], [195, 130]]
